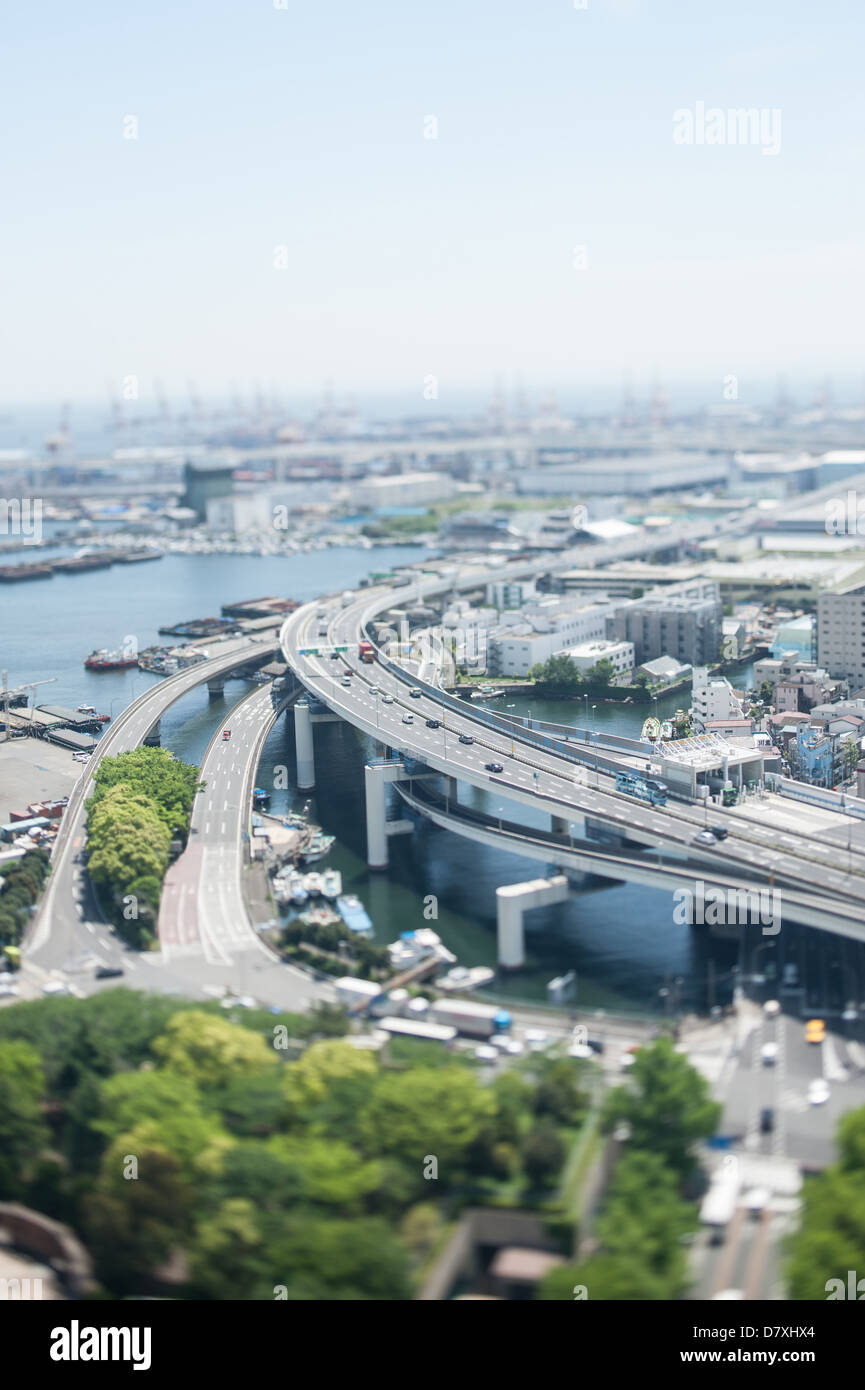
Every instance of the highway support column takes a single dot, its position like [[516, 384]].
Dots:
[[512, 900], [376, 819], [304, 747]]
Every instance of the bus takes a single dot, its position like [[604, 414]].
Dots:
[[644, 788]]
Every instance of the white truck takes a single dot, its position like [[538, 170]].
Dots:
[[720, 1201]]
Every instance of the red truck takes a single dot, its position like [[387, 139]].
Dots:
[[365, 652]]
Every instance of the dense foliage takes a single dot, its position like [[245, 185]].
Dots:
[[259, 1156], [660, 1115], [142, 800], [20, 885], [830, 1241]]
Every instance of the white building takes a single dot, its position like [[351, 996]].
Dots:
[[588, 654], [713, 697], [403, 490], [522, 640]]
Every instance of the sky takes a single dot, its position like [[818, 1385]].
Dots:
[[281, 218]]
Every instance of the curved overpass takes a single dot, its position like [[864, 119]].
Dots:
[[58, 928], [377, 701]]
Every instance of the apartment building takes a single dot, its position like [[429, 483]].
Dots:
[[685, 625], [841, 635], [713, 697]]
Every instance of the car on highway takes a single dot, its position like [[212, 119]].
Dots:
[[493, 767], [815, 1030], [334, 656], [415, 692], [720, 832], [373, 690], [346, 681], [433, 724], [704, 837], [466, 738], [55, 987], [818, 1091], [485, 1053], [771, 1008], [387, 699], [226, 735], [769, 1054], [408, 719], [109, 972], [767, 1120]]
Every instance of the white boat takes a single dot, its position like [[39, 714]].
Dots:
[[463, 977], [331, 883], [297, 892], [282, 891], [313, 885], [414, 946], [486, 692]]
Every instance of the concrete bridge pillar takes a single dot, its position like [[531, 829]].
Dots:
[[216, 687], [450, 788], [304, 746], [512, 900], [152, 737], [376, 819]]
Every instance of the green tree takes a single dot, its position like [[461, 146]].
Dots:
[[131, 1225], [212, 1051], [543, 1154], [426, 1112], [330, 1172], [23, 1132], [667, 1105], [831, 1235], [557, 676]]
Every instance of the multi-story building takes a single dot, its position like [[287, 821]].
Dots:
[[619, 654], [841, 635], [713, 697], [683, 625], [522, 640]]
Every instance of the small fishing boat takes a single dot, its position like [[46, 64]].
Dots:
[[331, 883], [651, 729], [317, 847], [462, 978], [313, 885]]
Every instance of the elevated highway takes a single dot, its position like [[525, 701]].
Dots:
[[822, 884]]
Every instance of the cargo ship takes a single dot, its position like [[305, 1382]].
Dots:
[[104, 660], [85, 560], [199, 627], [16, 574]]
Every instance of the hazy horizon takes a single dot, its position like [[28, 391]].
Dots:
[[386, 194]]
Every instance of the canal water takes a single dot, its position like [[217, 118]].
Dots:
[[628, 952]]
